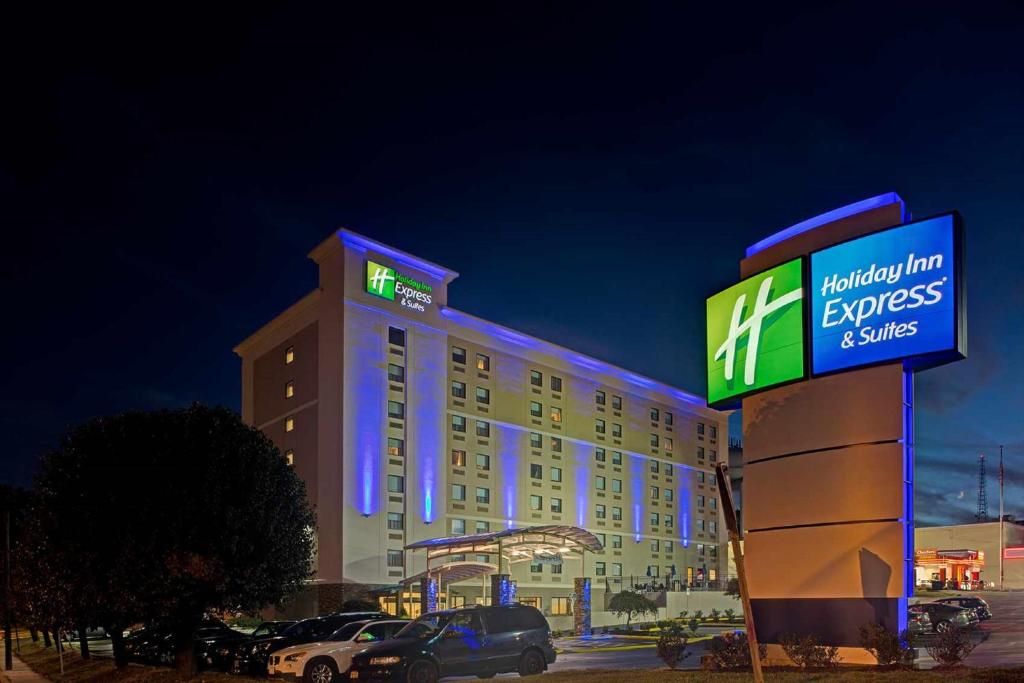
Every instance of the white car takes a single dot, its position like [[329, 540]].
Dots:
[[327, 660]]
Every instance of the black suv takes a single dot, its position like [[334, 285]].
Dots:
[[480, 641]]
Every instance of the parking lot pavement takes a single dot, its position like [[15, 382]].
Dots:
[[999, 642]]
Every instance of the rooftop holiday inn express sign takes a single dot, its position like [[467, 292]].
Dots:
[[891, 295], [388, 283]]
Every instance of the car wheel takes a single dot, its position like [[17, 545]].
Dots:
[[531, 663], [943, 626], [421, 671], [322, 670]]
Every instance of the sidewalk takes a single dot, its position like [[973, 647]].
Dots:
[[20, 673]]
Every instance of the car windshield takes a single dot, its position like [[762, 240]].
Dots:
[[426, 626], [299, 628], [347, 632]]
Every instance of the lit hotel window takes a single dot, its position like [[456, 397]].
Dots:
[[668, 495], [396, 410], [396, 446], [289, 456], [616, 458], [536, 378], [559, 606], [556, 383], [700, 548], [668, 521], [556, 444], [616, 402], [289, 355], [459, 355], [396, 484], [602, 539], [395, 558], [289, 423], [536, 440], [616, 429], [458, 458], [483, 362], [458, 389], [556, 414], [396, 521], [536, 409], [536, 503], [668, 444], [654, 467], [483, 461], [654, 519], [556, 474], [396, 337], [616, 541], [654, 414], [458, 423], [483, 527], [536, 471], [556, 505], [599, 483], [458, 492], [599, 426], [289, 389], [396, 373], [483, 495], [668, 418], [599, 398], [616, 569], [617, 514], [483, 428], [483, 395]]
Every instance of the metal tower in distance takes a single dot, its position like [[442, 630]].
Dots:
[[982, 498]]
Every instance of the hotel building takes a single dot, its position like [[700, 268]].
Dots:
[[409, 420]]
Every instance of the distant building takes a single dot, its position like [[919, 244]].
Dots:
[[968, 555]]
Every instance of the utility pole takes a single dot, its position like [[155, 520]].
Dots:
[[8, 655], [1000, 517]]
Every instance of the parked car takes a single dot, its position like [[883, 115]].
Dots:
[[325, 661], [156, 644], [477, 640], [919, 623], [979, 606], [251, 656], [223, 655], [944, 617]]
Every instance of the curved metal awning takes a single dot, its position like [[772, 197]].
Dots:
[[517, 544], [453, 572]]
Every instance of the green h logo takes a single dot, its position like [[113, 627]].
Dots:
[[755, 333], [380, 280]]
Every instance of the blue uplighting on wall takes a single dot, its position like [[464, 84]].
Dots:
[[828, 217], [636, 470], [684, 496], [507, 447], [431, 594], [359, 243], [426, 419], [582, 458], [365, 408]]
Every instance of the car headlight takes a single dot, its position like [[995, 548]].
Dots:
[[295, 656], [384, 661]]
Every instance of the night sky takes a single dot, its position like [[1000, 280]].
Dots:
[[592, 172]]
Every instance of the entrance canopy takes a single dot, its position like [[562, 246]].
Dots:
[[515, 545], [453, 572]]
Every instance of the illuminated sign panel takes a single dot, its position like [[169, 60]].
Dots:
[[756, 334], [887, 296], [388, 283]]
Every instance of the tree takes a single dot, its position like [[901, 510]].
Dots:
[[168, 515], [732, 588], [631, 604]]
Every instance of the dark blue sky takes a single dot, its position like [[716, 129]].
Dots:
[[592, 172]]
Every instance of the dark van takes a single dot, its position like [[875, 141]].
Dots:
[[470, 641]]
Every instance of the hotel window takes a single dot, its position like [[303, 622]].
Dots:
[[654, 440], [712, 456], [536, 379], [604, 541], [396, 337], [396, 410], [557, 569], [396, 484], [394, 558], [483, 461], [700, 525], [616, 430], [668, 444], [536, 440], [616, 541], [599, 398], [536, 409], [712, 572], [700, 477], [713, 549], [536, 471], [654, 414], [289, 355], [458, 527], [599, 568], [483, 395], [556, 505], [458, 389], [556, 414], [667, 546], [459, 355], [700, 501], [616, 458], [396, 373], [616, 569], [289, 423], [700, 428], [617, 514], [655, 492], [483, 428], [458, 423], [668, 495], [700, 548], [599, 483], [713, 527], [289, 389], [556, 444], [556, 384], [479, 558], [668, 521], [536, 568], [700, 452], [396, 521], [713, 432], [289, 456], [599, 455], [654, 467], [655, 545], [616, 402], [396, 446], [483, 495], [668, 419], [458, 492], [483, 362], [666, 468], [483, 527], [599, 511], [559, 606], [654, 519], [536, 503], [599, 426], [458, 458], [714, 503], [555, 473], [653, 570], [616, 486]]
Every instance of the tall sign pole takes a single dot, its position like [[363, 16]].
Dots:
[[1000, 518], [729, 510]]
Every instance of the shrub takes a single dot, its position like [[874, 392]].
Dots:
[[672, 648], [887, 647], [732, 588], [808, 653], [951, 646], [732, 651], [729, 614], [714, 615], [693, 625], [698, 615], [682, 615]]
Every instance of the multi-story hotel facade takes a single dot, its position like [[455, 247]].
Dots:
[[409, 420]]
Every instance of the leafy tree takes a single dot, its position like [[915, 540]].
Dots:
[[631, 604], [682, 615], [732, 588], [693, 625], [170, 514]]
